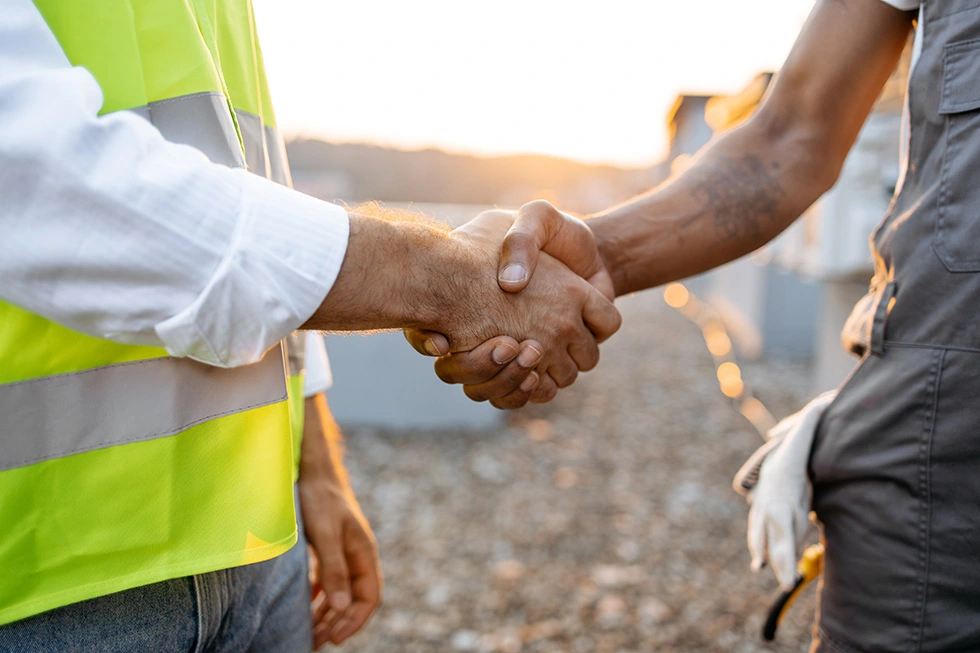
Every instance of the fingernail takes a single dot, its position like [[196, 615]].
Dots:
[[529, 357], [513, 273], [530, 383], [339, 600], [430, 347], [503, 353]]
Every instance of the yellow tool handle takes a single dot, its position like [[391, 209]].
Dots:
[[808, 570]]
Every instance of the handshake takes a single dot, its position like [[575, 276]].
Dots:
[[534, 301]]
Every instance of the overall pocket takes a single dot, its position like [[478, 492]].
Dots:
[[957, 236], [870, 471]]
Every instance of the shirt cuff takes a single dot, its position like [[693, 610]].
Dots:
[[318, 376], [284, 258]]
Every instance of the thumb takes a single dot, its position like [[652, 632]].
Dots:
[[536, 224], [541, 227], [427, 343]]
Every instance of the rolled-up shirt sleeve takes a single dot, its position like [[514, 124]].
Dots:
[[111, 230]]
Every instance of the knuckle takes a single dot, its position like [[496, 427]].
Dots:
[[512, 377], [617, 320], [566, 379], [502, 404], [590, 361], [475, 393], [518, 239], [443, 372], [569, 328], [540, 208], [544, 395], [511, 401]]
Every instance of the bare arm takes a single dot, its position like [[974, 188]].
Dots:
[[750, 184], [347, 581], [742, 190]]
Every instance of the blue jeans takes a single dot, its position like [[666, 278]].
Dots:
[[257, 608]]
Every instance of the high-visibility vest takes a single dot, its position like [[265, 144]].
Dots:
[[121, 466]]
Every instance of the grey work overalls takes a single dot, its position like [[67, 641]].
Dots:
[[896, 460]]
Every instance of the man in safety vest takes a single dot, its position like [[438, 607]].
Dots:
[[153, 263], [893, 455]]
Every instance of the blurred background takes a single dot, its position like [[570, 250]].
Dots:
[[604, 521]]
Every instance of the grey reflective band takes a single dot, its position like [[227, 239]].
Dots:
[[277, 157], [57, 416], [253, 138], [201, 120], [295, 344], [265, 153]]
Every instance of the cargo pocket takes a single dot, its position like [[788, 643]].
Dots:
[[957, 234], [870, 471]]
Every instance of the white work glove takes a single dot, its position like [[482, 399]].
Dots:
[[776, 485]]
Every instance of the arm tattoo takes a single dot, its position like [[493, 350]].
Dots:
[[738, 194]]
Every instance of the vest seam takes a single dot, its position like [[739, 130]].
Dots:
[[148, 436], [64, 375], [181, 98]]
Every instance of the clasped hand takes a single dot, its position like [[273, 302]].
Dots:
[[529, 329]]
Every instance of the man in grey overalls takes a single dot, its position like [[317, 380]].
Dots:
[[896, 459], [895, 462]]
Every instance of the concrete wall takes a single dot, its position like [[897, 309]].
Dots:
[[379, 380]]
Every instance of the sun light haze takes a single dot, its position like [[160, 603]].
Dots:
[[588, 81]]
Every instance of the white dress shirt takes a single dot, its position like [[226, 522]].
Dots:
[[318, 376], [109, 229]]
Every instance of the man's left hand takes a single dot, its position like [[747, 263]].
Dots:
[[345, 575]]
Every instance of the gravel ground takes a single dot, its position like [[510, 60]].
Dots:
[[604, 521]]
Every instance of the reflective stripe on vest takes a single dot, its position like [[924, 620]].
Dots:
[[182, 394], [119, 465]]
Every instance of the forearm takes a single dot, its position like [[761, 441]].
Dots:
[[322, 450], [400, 271], [750, 184], [740, 193]]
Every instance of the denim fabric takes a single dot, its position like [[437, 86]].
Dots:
[[257, 608]]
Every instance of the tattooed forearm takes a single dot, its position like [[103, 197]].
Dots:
[[740, 195]]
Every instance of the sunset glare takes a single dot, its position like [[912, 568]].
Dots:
[[589, 81]]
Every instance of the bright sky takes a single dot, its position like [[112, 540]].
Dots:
[[586, 80]]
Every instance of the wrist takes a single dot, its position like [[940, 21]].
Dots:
[[609, 252], [321, 456]]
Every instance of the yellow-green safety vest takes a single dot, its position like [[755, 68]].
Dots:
[[120, 465]]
